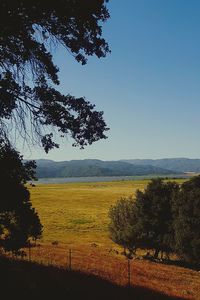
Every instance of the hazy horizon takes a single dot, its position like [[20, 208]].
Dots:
[[113, 159]]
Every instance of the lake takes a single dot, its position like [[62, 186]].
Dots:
[[104, 178]]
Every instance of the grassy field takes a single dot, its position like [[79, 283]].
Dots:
[[77, 213]]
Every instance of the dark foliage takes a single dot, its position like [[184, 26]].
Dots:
[[154, 215], [165, 217], [123, 226], [18, 219], [187, 220], [28, 98], [147, 221]]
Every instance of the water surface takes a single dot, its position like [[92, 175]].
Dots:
[[103, 178]]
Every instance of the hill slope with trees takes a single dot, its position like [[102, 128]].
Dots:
[[173, 164], [92, 167]]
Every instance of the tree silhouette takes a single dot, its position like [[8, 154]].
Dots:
[[31, 105], [154, 215], [18, 219], [186, 207], [28, 76]]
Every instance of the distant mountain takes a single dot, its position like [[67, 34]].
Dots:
[[93, 167], [180, 165]]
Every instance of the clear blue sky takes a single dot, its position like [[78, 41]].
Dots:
[[148, 87]]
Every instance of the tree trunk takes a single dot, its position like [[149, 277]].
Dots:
[[156, 253]]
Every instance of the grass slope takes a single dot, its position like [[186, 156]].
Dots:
[[23, 280]]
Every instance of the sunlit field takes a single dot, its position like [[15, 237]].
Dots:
[[75, 217], [77, 213]]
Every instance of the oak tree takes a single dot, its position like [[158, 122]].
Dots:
[[30, 103], [186, 209], [123, 225], [29, 100], [19, 222]]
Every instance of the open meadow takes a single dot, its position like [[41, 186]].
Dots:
[[77, 213], [75, 216]]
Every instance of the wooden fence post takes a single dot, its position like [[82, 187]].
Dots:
[[129, 272], [70, 259], [29, 251]]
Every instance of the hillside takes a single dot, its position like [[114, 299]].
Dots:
[[25, 280], [92, 167], [174, 164]]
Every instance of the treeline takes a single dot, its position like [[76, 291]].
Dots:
[[164, 218]]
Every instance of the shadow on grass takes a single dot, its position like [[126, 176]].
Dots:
[[177, 263], [24, 280]]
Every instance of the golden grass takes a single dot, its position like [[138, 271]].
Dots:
[[76, 215], [168, 279]]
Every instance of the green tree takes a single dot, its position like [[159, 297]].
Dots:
[[146, 221], [123, 225], [28, 76], [154, 215], [30, 104], [19, 221], [186, 207]]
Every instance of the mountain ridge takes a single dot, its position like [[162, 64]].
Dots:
[[179, 164], [95, 167]]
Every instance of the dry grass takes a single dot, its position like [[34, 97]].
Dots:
[[76, 215], [22, 280], [169, 279]]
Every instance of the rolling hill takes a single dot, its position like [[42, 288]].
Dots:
[[180, 165], [93, 167]]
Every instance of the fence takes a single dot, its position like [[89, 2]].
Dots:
[[111, 266]]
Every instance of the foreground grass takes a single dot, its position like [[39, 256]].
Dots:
[[76, 215], [23, 280], [174, 281]]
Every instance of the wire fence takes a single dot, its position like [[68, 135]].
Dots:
[[112, 266], [115, 268]]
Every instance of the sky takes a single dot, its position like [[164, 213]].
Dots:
[[148, 87]]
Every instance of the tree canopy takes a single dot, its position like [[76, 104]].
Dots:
[[186, 207], [18, 219], [146, 221], [164, 217], [29, 101], [123, 225], [154, 215]]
